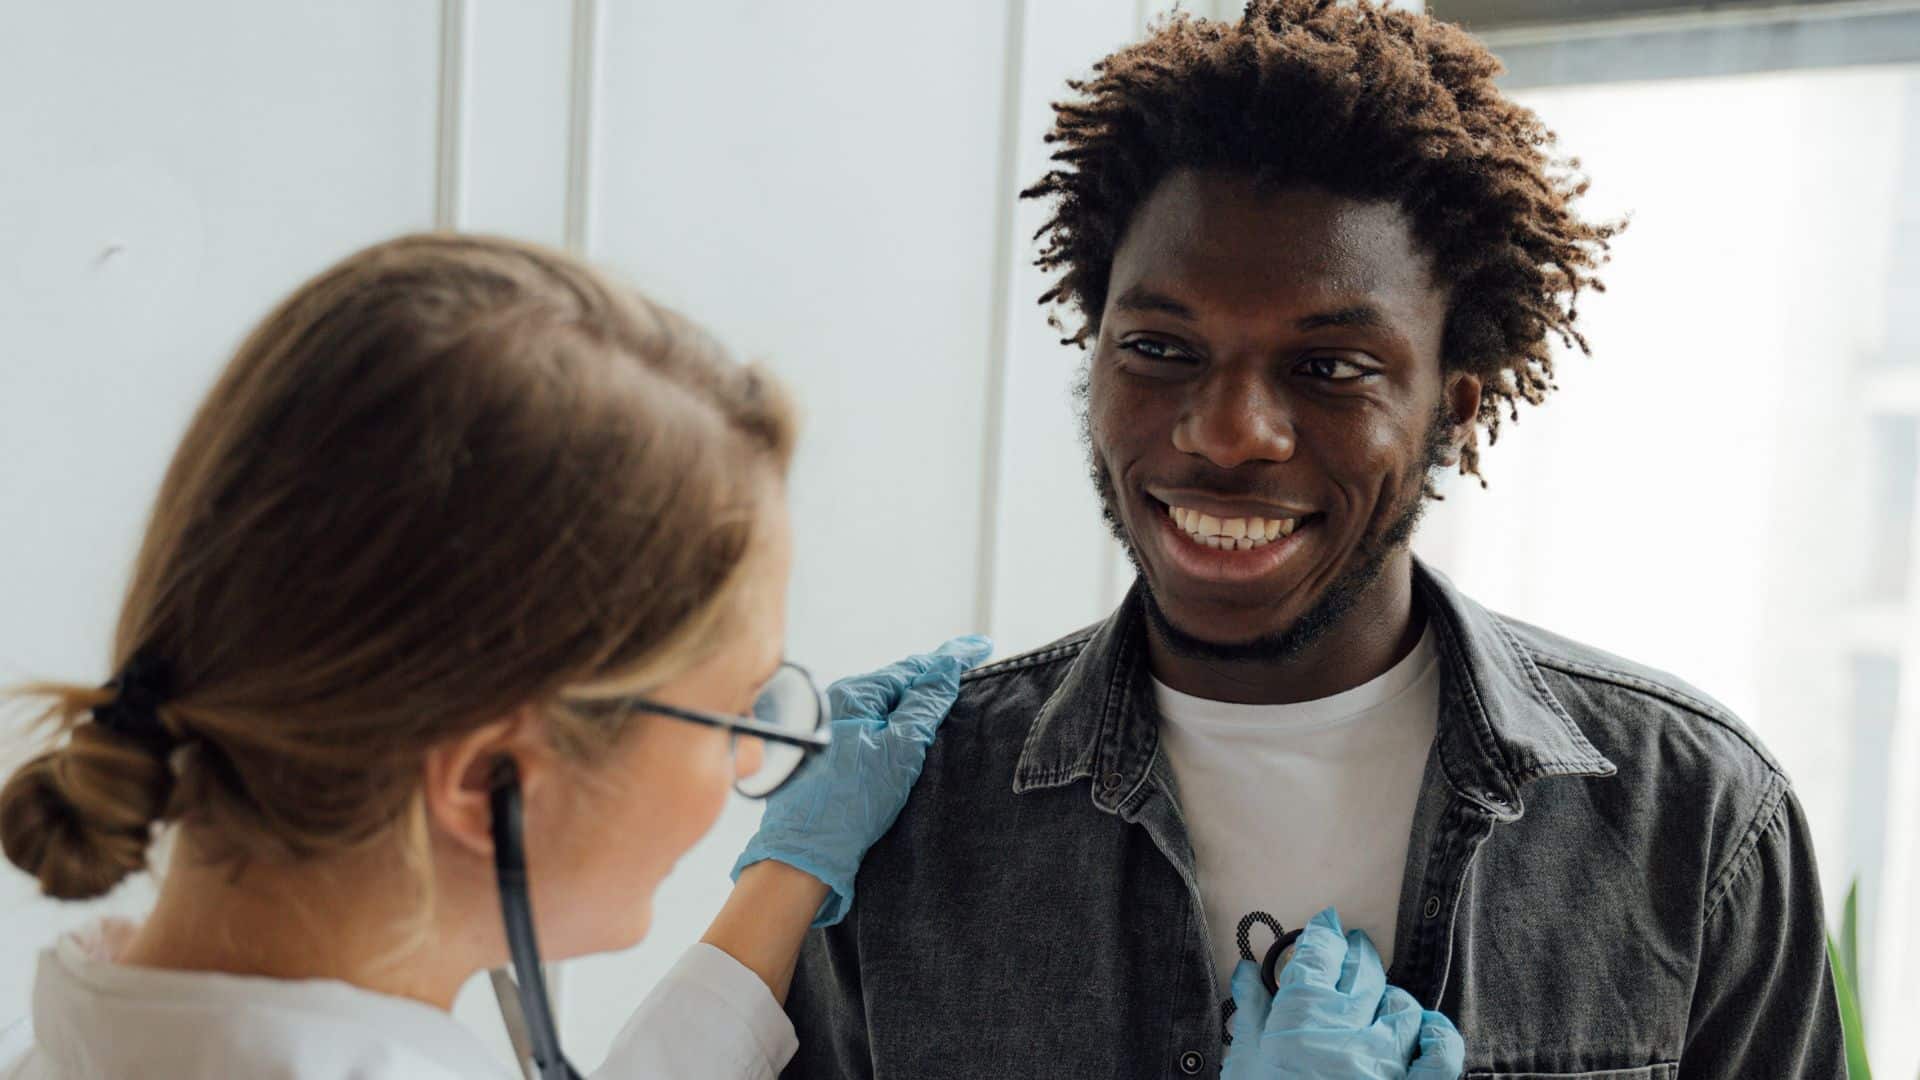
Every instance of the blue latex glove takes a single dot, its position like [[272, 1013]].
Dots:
[[1335, 1016], [842, 802]]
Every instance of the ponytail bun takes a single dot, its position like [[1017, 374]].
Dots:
[[80, 817]]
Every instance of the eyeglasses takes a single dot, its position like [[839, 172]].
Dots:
[[790, 718]]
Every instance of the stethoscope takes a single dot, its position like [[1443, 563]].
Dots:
[[523, 997]]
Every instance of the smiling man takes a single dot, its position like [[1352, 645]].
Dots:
[[1313, 255]]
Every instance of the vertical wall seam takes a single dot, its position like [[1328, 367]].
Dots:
[[583, 89], [450, 132], [993, 441], [1109, 582], [582, 101]]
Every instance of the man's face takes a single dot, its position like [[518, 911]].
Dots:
[[1265, 399]]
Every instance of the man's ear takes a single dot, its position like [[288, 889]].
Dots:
[[1463, 410], [458, 774]]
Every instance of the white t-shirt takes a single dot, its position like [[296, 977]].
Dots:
[[1296, 808], [102, 1020]]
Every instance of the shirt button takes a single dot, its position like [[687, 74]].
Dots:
[[1433, 907], [1112, 782], [1192, 1062]]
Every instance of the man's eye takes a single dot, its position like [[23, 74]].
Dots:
[[1334, 368], [1160, 352]]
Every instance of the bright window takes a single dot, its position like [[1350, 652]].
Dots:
[[1726, 488]]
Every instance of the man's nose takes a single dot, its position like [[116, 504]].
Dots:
[[1238, 415]]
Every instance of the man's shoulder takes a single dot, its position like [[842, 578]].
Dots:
[[1016, 686], [1687, 768], [986, 730], [1048, 661], [1631, 708]]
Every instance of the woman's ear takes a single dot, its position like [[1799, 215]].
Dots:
[[459, 773]]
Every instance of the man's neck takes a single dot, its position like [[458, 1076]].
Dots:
[[1377, 632]]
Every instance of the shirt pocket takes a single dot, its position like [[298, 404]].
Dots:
[[1663, 1071]]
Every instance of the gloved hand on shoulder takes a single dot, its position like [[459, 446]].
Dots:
[[842, 802]]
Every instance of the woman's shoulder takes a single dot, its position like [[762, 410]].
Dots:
[[102, 1018]]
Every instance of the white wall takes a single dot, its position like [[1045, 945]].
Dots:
[[1053, 560]]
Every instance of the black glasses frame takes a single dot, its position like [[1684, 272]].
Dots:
[[816, 740], [810, 743]]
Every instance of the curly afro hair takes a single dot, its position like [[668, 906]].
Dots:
[[1365, 102]]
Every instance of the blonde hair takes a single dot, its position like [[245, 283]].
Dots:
[[447, 478]]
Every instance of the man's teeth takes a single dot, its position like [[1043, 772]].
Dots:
[[1231, 534]]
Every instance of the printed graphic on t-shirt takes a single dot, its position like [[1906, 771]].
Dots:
[[1271, 958]]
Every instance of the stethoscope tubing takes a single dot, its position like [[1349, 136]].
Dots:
[[516, 908]]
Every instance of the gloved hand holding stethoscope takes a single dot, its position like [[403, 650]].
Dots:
[[1331, 1012]]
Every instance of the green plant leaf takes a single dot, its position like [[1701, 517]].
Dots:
[[1849, 934], [1856, 1035]]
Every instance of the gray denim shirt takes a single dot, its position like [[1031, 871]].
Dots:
[[1608, 877]]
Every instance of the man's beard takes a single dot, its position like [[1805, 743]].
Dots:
[[1370, 560]]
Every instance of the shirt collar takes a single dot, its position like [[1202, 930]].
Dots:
[[1501, 728], [1097, 724]]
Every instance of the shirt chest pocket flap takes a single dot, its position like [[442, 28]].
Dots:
[[1666, 1070]]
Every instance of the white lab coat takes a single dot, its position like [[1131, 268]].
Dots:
[[95, 1019]]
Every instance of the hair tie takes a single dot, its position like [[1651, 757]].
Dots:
[[134, 713]]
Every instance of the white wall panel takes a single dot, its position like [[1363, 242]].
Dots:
[[817, 184], [515, 170], [1056, 569], [171, 170]]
